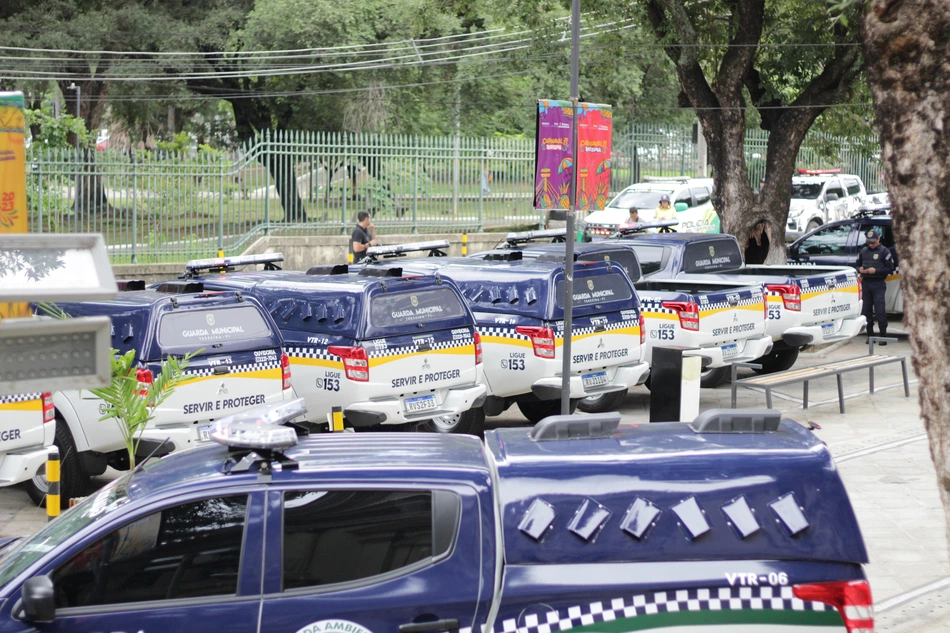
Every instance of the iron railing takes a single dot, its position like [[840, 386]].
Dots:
[[155, 206]]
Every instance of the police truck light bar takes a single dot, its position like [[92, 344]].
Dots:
[[818, 172], [260, 427], [640, 227], [521, 237], [268, 259], [398, 250]]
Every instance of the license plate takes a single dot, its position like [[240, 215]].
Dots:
[[828, 328], [728, 351], [594, 380], [422, 403], [204, 433]]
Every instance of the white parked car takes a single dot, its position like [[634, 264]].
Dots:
[[820, 196], [690, 197]]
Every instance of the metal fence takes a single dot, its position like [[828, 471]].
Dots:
[[157, 206]]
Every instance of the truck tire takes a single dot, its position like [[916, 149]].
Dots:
[[471, 422], [604, 402], [538, 410], [777, 360], [812, 225], [72, 480], [712, 378]]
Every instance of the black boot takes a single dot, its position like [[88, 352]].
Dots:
[[870, 333], [883, 333]]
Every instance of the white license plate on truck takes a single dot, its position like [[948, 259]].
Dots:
[[730, 351], [594, 380], [204, 433], [827, 329], [422, 403]]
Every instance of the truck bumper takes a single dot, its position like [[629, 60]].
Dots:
[[21, 465], [714, 357], [624, 377], [393, 410], [828, 333]]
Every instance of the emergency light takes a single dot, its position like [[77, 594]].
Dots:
[[818, 172], [435, 248], [667, 178], [268, 259], [521, 237], [260, 427], [640, 227]]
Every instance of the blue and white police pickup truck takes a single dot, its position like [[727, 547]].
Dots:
[[27, 427], [519, 312], [240, 364], [807, 305], [723, 320], [577, 524], [388, 350]]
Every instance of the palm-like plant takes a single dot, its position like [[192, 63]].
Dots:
[[131, 403]]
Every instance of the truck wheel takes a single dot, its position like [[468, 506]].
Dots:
[[72, 480], [604, 402], [712, 378], [777, 360], [538, 410], [471, 422], [812, 225]]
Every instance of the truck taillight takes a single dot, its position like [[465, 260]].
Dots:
[[851, 598], [542, 339], [688, 313], [285, 370], [478, 348], [145, 379], [643, 329], [355, 361], [49, 412], [860, 287], [765, 304], [791, 295]]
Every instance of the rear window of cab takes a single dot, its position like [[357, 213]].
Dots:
[[200, 328], [708, 256], [596, 290], [411, 308]]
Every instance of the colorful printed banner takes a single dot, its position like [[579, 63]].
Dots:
[[594, 129], [12, 179], [554, 167], [554, 161]]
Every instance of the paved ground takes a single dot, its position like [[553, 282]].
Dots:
[[883, 457]]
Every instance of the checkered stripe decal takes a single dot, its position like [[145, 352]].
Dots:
[[235, 369], [501, 332], [850, 282], [412, 349], [723, 598], [19, 397], [509, 332], [655, 306], [755, 299], [311, 352]]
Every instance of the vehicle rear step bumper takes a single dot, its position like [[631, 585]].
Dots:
[[392, 410], [21, 466], [624, 377], [713, 356], [816, 334]]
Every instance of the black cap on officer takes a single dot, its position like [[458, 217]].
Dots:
[[665, 198], [873, 235]]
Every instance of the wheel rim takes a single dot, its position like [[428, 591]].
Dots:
[[447, 423], [39, 480], [592, 400]]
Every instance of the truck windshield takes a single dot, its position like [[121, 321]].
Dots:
[[597, 289], [94, 508], [216, 325], [415, 307], [639, 199], [708, 256], [807, 191]]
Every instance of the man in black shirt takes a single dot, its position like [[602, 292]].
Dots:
[[364, 236], [874, 264]]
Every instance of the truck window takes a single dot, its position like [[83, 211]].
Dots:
[[684, 196], [652, 258], [806, 191], [835, 188], [832, 240], [701, 194], [340, 536], [637, 198], [854, 187], [710, 255], [415, 307], [216, 325], [597, 289], [186, 551], [625, 257]]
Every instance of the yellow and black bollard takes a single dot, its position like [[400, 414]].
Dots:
[[349, 258], [336, 416], [52, 480], [464, 244]]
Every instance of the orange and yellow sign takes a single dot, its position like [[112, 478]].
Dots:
[[13, 210]]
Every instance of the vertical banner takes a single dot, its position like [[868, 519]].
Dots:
[[594, 130], [13, 209], [554, 167]]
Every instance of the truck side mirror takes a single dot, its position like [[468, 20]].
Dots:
[[680, 206], [830, 197], [37, 601]]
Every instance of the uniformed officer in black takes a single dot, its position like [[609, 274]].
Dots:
[[874, 264]]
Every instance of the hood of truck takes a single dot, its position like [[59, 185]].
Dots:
[[573, 501]]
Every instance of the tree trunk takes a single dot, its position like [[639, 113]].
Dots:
[[282, 170], [908, 55]]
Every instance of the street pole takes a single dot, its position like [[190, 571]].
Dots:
[[78, 90], [569, 231]]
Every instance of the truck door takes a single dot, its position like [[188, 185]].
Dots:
[[831, 245], [356, 559]]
